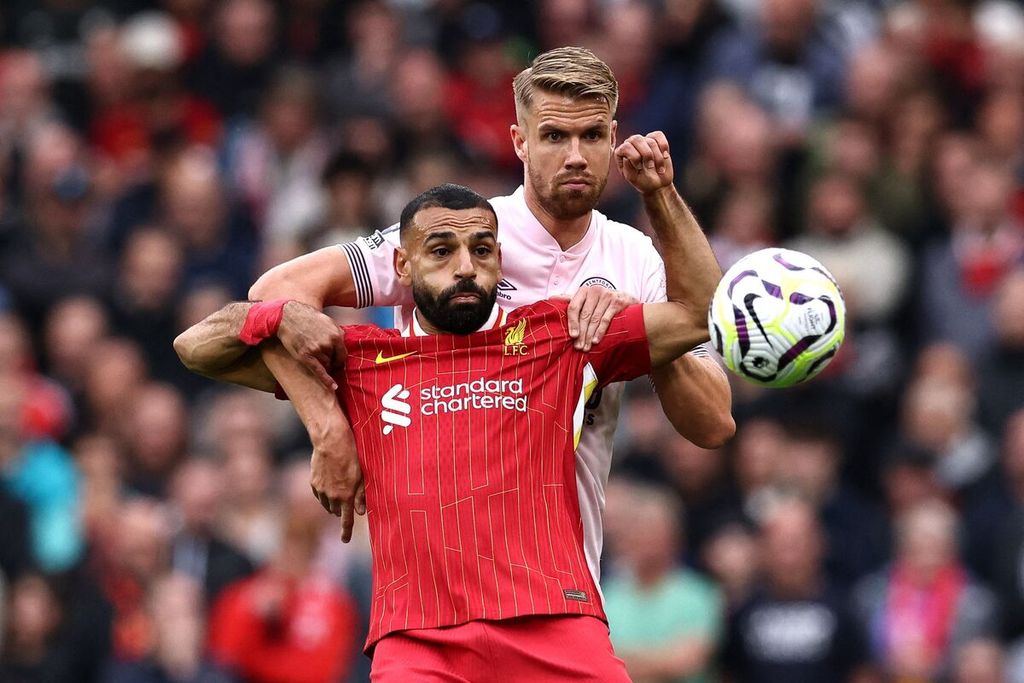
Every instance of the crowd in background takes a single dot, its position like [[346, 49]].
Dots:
[[157, 155]]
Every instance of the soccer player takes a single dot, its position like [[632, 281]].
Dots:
[[554, 242], [466, 423]]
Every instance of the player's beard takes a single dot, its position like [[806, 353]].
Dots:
[[563, 203], [455, 318]]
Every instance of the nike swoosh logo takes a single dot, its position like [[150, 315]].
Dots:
[[381, 358]]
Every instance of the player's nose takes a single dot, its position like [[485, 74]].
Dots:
[[575, 160], [464, 266]]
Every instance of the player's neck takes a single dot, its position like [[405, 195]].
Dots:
[[567, 232]]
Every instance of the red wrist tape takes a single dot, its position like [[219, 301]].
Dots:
[[262, 321]]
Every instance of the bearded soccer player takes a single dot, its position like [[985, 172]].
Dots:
[[466, 423], [554, 242]]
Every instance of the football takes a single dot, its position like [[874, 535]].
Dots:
[[777, 317]]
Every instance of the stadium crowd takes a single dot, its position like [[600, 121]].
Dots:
[[156, 156]]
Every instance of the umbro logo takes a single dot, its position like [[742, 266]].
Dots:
[[504, 287], [396, 408]]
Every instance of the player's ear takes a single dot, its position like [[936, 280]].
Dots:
[[403, 267], [614, 129], [518, 134], [499, 254]]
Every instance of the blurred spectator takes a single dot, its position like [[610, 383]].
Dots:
[[25, 107], [1001, 373], [53, 255], [73, 328], [745, 224], [357, 84], [143, 302], [156, 436], [350, 211], [235, 68], [795, 627], [197, 550], [418, 105], [909, 477], [665, 620], [32, 649], [999, 520], [43, 476], [731, 557], [46, 411], [939, 416], [844, 237], [923, 608], [979, 661], [961, 274], [175, 608], [286, 624], [854, 529], [150, 112], [15, 551], [787, 62], [115, 370], [275, 162], [700, 477], [478, 100]]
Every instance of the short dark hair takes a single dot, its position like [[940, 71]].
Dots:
[[447, 196]]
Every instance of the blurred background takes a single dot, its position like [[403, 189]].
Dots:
[[156, 156]]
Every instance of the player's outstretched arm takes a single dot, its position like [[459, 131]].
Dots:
[[320, 278], [335, 478], [693, 390], [213, 347], [672, 330]]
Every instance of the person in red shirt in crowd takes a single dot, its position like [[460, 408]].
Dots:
[[286, 624], [468, 445]]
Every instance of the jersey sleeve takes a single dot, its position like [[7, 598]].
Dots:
[[372, 259], [623, 353]]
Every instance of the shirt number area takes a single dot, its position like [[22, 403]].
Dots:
[[592, 405]]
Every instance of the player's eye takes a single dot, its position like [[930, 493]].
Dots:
[[483, 251], [440, 252], [553, 136], [594, 135]]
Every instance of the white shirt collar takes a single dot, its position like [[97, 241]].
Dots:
[[495, 319]]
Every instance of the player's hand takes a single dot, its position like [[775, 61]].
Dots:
[[645, 162], [590, 312], [337, 479], [313, 339]]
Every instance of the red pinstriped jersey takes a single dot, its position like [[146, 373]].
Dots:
[[467, 449]]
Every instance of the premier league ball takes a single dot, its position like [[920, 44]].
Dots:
[[777, 317]]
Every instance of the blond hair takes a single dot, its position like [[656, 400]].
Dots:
[[575, 72]]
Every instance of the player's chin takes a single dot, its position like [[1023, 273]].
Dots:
[[572, 202]]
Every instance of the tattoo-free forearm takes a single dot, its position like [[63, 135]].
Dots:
[[691, 269], [696, 397], [316, 405]]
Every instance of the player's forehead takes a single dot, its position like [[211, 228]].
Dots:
[[463, 224], [554, 110]]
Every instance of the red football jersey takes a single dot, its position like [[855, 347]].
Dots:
[[467, 448]]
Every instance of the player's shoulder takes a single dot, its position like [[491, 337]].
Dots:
[[355, 333], [548, 315]]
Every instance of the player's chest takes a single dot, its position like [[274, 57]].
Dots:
[[511, 385], [536, 274]]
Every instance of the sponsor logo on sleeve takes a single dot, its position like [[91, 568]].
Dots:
[[573, 594], [375, 240]]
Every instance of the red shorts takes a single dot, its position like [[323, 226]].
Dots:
[[529, 649]]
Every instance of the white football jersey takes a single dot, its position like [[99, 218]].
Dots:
[[534, 267]]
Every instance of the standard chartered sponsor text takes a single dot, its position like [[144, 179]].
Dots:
[[478, 394]]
